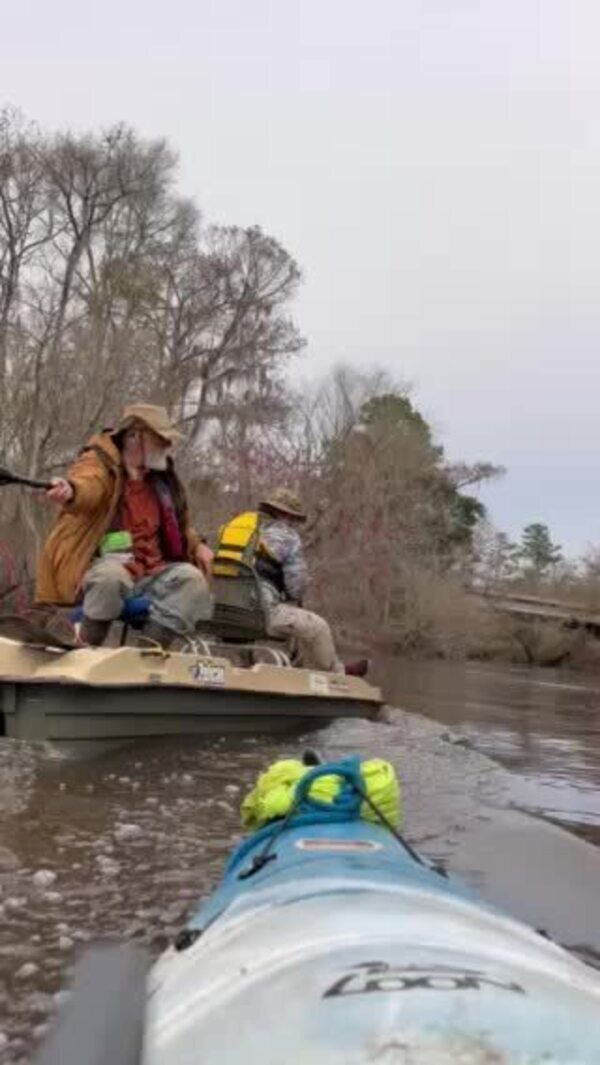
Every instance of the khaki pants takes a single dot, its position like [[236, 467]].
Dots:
[[312, 634], [179, 594]]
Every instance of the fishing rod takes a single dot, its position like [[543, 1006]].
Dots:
[[8, 477]]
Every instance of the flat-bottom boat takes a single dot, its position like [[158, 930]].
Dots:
[[73, 696]]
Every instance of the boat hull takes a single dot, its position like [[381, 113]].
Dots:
[[73, 713], [122, 694]]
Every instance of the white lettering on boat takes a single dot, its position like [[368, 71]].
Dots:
[[319, 683], [206, 672]]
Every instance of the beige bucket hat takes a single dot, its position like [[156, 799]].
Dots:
[[284, 502], [154, 418]]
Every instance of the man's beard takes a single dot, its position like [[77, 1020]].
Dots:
[[156, 459]]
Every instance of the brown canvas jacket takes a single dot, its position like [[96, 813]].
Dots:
[[97, 479]]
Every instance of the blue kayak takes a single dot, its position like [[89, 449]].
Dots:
[[331, 943]]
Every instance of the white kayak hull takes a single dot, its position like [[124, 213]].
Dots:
[[317, 968]]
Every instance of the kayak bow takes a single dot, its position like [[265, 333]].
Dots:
[[342, 948]]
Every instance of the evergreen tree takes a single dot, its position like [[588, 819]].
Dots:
[[536, 549]]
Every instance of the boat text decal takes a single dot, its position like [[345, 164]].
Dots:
[[378, 976], [318, 683], [204, 672]]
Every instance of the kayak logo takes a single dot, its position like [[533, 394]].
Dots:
[[204, 672], [377, 976]]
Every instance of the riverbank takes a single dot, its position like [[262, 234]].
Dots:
[[459, 627]]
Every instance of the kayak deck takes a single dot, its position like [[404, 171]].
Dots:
[[343, 950]]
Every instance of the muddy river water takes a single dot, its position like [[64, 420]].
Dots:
[[501, 776]]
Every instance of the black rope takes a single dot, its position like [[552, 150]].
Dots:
[[388, 824], [264, 856], [309, 758]]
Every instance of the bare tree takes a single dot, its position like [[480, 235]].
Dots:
[[112, 290]]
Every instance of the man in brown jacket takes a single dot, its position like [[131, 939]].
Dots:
[[124, 530]]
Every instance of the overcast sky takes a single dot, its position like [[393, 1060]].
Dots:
[[434, 166]]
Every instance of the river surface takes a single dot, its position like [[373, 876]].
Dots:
[[492, 761]]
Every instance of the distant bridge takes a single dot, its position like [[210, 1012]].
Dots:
[[571, 615]]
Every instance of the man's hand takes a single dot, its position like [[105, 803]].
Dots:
[[204, 559], [61, 492]]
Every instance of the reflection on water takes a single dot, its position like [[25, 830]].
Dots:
[[543, 725], [125, 844]]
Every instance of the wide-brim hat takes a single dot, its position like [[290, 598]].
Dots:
[[283, 501], [155, 418]]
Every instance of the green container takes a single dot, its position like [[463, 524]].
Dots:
[[116, 543]]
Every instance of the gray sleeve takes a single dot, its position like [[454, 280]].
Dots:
[[284, 544]]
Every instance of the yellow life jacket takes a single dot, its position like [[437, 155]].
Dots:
[[240, 541]]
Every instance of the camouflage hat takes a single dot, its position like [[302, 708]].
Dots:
[[154, 418], [284, 502]]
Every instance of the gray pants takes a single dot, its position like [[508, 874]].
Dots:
[[179, 594]]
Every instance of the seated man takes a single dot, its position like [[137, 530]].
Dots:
[[124, 530], [272, 544]]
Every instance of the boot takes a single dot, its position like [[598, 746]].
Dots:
[[92, 632], [359, 668], [158, 634]]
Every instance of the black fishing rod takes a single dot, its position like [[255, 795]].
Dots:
[[8, 477]]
